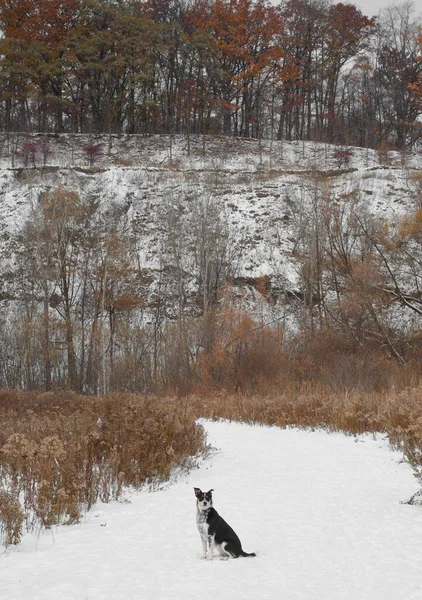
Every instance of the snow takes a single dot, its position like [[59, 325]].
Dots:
[[322, 511], [263, 191]]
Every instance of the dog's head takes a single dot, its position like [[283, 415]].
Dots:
[[203, 499]]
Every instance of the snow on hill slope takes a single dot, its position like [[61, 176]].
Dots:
[[260, 190], [322, 512]]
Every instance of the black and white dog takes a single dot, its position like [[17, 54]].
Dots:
[[214, 531]]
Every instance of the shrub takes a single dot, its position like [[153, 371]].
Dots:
[[383, 151], [28, 153], [60, 453], [30, 150], [93, 151], [44, 148], [342, 156], [11, 518]]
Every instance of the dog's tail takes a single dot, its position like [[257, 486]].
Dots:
[[243, 553]]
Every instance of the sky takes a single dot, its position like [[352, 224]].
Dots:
[[371, 7]]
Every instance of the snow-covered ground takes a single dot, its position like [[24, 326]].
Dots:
[[322, 512]]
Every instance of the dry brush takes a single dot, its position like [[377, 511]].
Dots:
[[60, 453]]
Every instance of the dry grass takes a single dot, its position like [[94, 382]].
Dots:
[[305, 406], [60, 453]]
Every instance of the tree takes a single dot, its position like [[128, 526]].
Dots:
[[54, 237], [110, 63], [399, 248], [398, 71], [347, 34], [321, 39], [416, 86], [242, 54], [80, 288], [35, 35], [215, 257]]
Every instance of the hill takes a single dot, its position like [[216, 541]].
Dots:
[[166, 228]]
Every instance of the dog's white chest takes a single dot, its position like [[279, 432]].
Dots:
[[202, 525]]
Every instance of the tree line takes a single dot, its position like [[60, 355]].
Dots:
[[304, 69]]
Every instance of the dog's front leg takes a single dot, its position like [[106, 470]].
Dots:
[[210, 554], [204, 547]]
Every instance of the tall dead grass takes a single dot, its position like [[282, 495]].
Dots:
[[309, 405], [60, 452]]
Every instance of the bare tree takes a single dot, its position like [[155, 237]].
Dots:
[[215, 253], [398, 67]]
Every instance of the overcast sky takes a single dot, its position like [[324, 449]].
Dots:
[[370, 7]]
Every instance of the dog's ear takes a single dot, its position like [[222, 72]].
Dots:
[[197, 491], [210, 491]]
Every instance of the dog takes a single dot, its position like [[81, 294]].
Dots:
[[214, 531]]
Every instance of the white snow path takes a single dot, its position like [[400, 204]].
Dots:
[[321, 510]]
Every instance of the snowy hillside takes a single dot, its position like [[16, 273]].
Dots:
[[153, 186], [322, 511]]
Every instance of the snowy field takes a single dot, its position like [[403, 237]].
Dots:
[[322, 512]]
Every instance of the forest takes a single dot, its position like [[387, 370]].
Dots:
[[302, 69]]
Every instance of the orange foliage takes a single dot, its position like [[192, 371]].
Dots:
[[411, 226], [245, 33], [416, 87], [47, 21], [243, 355], [348, 29]]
